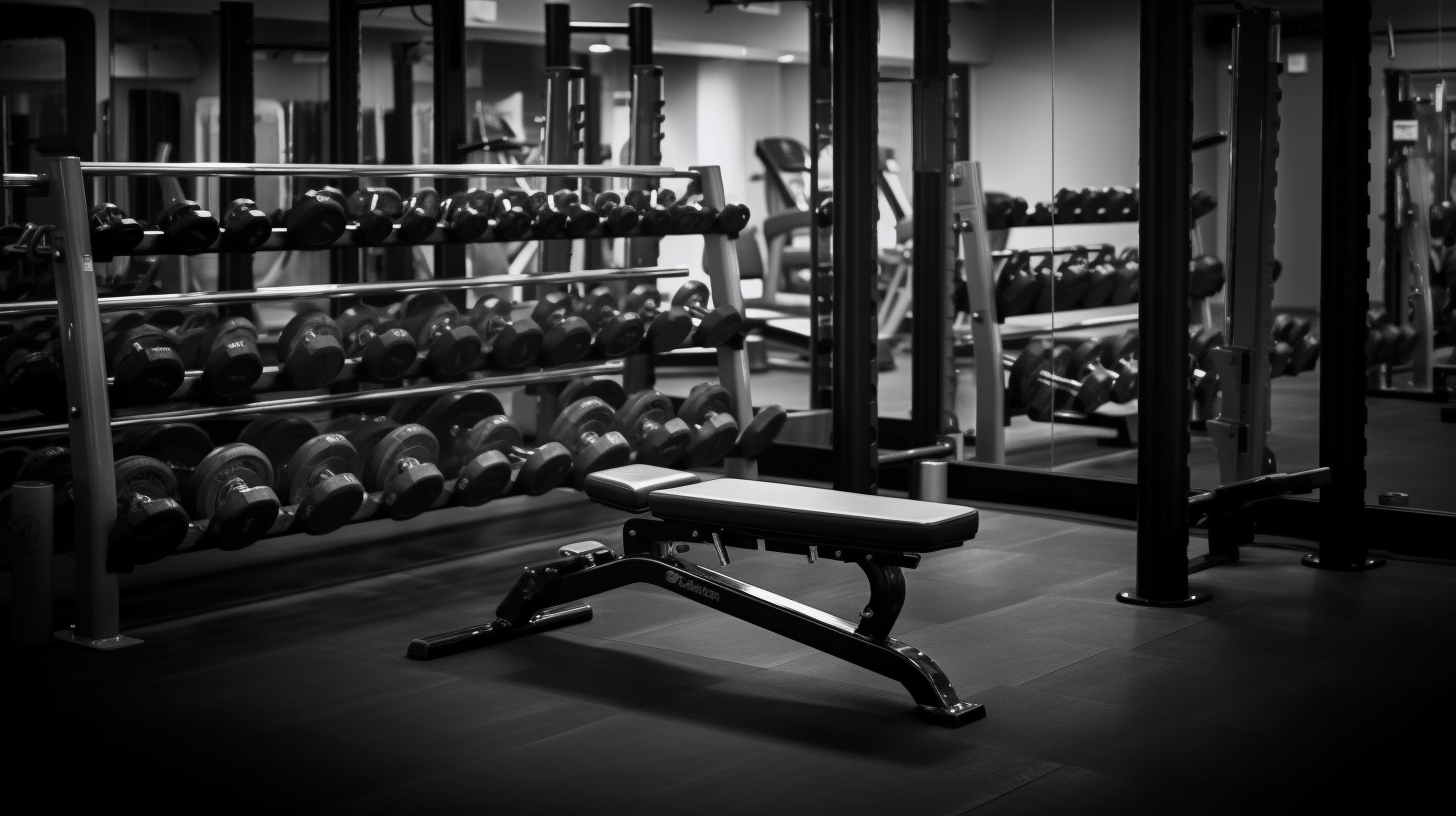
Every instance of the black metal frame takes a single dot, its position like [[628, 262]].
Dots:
[[821, 277], [344, 57], [235, 131], [856, 167], [546, 596]]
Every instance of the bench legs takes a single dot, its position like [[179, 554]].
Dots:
[[546, 596]]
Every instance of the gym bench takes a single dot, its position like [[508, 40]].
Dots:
[[880, 534]]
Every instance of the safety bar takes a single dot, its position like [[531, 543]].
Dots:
[[338, 290], [1259, 488], [1065, 250], [936, 451], [243, 170], [328, 401]]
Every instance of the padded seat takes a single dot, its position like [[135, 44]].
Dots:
[[878, 522], [627, 487]]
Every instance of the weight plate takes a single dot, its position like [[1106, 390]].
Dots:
[[705, 398], [450, 418], [278, 436], [217, 472], [319, 478], [179, 444], [648, 405], [49, 464], [691, 292], [366, 434], [589, 415], [411, 441], [497, 433], [608, 391], [484, 477], [150, 524], [145, 476]]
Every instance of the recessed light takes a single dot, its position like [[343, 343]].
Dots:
[[599, 47], [786, 58]]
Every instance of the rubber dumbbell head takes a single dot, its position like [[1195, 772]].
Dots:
[[509, 344], [568, 337], [386, 353], [581, 220], [1017, 288], [649, 424], [144, 364], [150, 524], [245, 228], [655, 217], [761, 431], [311, 350], [317, 219], [113, 231], [31, 377], [540, 469], [187, 226], [373, 211], [231, 487], [617, 219], [451, 346], [546, 221], [227, 352], [448, 417], [277, 436], [716, 327], [463, 222], [584, 428], [420, 216], [319, 480], [402, 468], [1205, 276], [363, 432], [708, 410], [508, 222], [608, 391], [667, 328]]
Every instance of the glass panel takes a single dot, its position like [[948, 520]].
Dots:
[[1411, 328]]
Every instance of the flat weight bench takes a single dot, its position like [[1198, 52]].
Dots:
[[878, 533]]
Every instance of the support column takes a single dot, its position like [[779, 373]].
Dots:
[[235, 136], [1344, 298], [932, 411], [856, 162], [1165, 148], [450, 116]]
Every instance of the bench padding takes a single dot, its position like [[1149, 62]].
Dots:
[[877, 522], [627, 487]]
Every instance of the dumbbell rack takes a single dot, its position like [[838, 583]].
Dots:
[[58, 198]]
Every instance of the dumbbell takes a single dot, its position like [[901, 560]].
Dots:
[[546, 220], [1129, 269], [508, 221], [1088, 356], [691, 216], [1203, 389], [616, 332], [113, 232], [581, 220], [226, 351], [451, 346], [734, 218], [1104, 274], [510, 345], [653, 208], [229, 486], [317, 219], [667, 328], [1041, 215], [584, 428], [608, 391], [1017, 288], [374, 210], [568, 337], [1034, 383], [617, 219], [245, 228], [1064, 287], [420, 216], [1382, 338], [1304, 347], [310, 350], [144, 364], [385, 353], [150, 523], [1202, 340], [463, 222], [716, 327], [31, 377], [708, 411], [481, 447], [651, 427], [401, 466], [998, 211], [1121, 205], [313, 472], [186, 226], [1068, 205], [1205, 276]]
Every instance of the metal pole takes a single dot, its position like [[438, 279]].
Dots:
[[856, 163], [720, 261], [344, 136], [32, 516], [235, 133], [931, 415], [1166, 172], [1343, 294], [450, 116], [645, 147], [821, 267], [94, 487]]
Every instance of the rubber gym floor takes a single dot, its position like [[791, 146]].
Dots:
[[274, 680]]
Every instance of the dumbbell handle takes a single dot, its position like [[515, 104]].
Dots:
[[321, 476], [132, 500], [1050, 378], [406, 463]]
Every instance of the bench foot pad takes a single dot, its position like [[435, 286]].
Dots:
[[496, 631], [953, 716]]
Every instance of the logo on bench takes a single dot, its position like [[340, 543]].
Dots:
[[690, 585]]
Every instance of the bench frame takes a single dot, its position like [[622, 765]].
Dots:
[[547, 596]]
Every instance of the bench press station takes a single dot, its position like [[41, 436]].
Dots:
[[880, 534]]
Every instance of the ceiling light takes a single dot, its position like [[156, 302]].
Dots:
[[599, 47], [786, 58]]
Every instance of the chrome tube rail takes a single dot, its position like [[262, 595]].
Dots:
[[338, 290], [245, 170], [322, 402]]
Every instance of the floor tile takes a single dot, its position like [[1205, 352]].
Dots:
[[1075, 621], [1158, 684], [1051, 727], [722, 637]]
